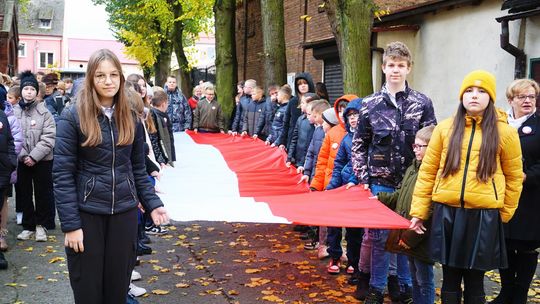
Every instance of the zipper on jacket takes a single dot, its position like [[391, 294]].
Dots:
[[495, 189], [462, 198], [112, 165]]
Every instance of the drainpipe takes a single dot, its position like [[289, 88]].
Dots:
[[245, 38], [521, 58], [304, 36]]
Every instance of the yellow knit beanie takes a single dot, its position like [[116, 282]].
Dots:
[[481, 79]]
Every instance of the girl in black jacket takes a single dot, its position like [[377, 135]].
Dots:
[[8, 163], [100, 178]]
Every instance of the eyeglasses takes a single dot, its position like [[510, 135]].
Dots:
[[353, 115], [418, 147], [101, 78], [524, 97]]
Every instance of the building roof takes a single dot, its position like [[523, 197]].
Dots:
[[37, 10], [394, 5], [81, 49]]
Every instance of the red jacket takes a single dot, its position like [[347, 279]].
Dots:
[[329, 149], [192, 102]]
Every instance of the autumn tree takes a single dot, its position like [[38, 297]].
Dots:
[[351, 22], [153, 29], [273, 29], [226, 65]]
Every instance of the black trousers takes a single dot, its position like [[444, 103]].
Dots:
[[101, 274], [36, 183]]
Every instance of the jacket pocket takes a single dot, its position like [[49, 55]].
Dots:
[[131, 185], [495, 189], [379, 155], [88, 188]]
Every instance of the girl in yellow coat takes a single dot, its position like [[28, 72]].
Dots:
[[469, 182]]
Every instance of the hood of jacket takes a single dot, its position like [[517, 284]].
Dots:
[[354, 105], [348, 98], [306, 77]]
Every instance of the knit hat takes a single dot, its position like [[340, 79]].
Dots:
[[28, 79], [481, 79], [329, 115]]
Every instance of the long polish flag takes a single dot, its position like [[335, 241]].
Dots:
[[218, 177]]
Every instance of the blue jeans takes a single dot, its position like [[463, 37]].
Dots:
[[380, 258], [423, 282]]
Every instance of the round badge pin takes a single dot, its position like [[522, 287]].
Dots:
[[526, 130], [32, 122], [335, 146], [213, 108]]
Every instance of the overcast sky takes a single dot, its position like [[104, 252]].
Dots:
[[83, 19]]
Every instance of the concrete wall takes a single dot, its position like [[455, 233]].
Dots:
[[451, 43]]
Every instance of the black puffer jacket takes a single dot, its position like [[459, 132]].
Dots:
[[8, 158], [301, 137], [106, 179]]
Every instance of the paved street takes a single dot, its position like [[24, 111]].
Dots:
[[197, 262]]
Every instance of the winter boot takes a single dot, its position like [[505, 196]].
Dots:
[[374, 297], [3, 262], [526, 262], [450, 297], [362, 286], [393, 288], [406, 295], [508, 276]]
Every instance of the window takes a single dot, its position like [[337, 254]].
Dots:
[[22, 49], [45, 23], [45, 59], [535, 69]]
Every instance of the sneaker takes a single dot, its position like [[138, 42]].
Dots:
[[393, 288], [334, 266], [374, 297], [3, 262], [350, 270], [135, 275], [19, 218], [25, 235], [156, 230], [322, 252], [311, 245], [41, 234], [3, 241], [136, 291]]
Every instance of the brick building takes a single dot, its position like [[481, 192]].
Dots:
[[9, 37], [310, 45], [447, 38]]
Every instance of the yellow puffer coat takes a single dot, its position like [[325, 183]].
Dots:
[[463, 189]]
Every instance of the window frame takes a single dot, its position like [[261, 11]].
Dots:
[[22, 49], [47, 27], [46, 57]]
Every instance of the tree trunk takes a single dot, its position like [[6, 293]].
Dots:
[[178, 45], [163, 63], [351, 22], [273, 29], [226, 65]]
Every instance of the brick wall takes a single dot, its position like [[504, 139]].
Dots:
[[318, 28]]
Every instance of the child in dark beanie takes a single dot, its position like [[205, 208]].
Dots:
[[34, 172]]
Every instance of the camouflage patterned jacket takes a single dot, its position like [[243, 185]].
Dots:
[[178, 110], [382, 144]]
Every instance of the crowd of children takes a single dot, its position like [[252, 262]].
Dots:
[[458, 198], [457, 186]]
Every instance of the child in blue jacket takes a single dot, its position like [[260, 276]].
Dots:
[[283, 97], [343, 174], [301, 136]]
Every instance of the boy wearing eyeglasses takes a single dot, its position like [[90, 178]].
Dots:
[[408, 242]]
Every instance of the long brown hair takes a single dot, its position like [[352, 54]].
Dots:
[[149, 121], [90, 107], [488, 149]]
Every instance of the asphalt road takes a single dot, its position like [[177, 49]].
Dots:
[[198, 262]]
